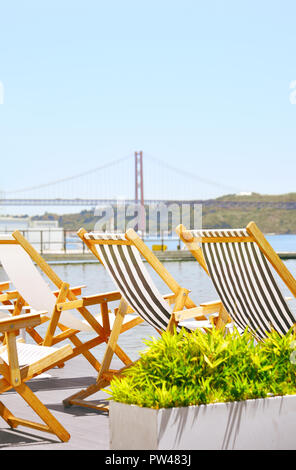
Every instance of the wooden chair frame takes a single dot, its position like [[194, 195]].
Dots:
[[67, 299], [15, 305], [15, 377], [179, 298], [254, 235]]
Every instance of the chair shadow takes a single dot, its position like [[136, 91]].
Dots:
[[76, 410], [56, 383], [14, 437], [71, 383]]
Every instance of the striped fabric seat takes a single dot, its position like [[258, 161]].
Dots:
[[125, 266], [244, 282]]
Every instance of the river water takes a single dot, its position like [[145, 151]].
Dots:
[[279, 242], [187, 273]]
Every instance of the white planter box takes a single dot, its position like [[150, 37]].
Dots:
[[268, 423]]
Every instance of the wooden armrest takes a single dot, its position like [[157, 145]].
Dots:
[[72, 304], [20, 321], [75, 290], [9, 296], [195, 312], [100, 298], [4, 285], [211, 303], [171, 298], [88, 300], [189, 313]]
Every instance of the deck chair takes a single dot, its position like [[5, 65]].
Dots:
[[6, 305], [11, 304], [19, 362], [121, 256], [20, 260], [240, 263]]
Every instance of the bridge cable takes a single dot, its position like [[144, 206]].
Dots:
[[190, 174], [68, 178]]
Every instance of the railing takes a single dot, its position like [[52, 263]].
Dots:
[[55, 241], [52, 240], [62, 241]]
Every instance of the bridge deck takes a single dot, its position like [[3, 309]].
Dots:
[[96, 202]]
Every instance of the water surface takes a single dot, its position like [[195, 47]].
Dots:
[[187, 273]]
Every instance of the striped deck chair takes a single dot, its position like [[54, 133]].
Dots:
[[240, 263], [33, 292], [21, 362], [121, 256]]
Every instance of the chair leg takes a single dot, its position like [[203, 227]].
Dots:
[[179, 305], [53, 323], [6, 414], [122, 355], [222, 319], [77, 398], [52, 425]]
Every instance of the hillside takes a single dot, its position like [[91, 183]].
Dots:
[[272, 213], [256, 197]]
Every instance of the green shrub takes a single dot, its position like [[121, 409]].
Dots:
[[198, 368]]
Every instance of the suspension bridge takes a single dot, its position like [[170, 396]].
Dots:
[[130, 178], [137, 178]]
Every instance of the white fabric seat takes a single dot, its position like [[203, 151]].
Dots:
[[31, 285], [28, 353]]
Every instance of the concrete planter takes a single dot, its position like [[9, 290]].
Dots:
[[268, 423]]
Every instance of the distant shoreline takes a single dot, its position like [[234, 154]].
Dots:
[[164, 256]]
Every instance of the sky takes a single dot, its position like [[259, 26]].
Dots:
[[206, 87]]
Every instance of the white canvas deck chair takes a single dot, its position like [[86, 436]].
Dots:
[[7, 307], [121, 256], [20, 362], [20, 260], [240, 263]]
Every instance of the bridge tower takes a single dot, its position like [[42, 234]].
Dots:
[[139, 189]]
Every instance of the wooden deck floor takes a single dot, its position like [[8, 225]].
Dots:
[[88, 428]]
